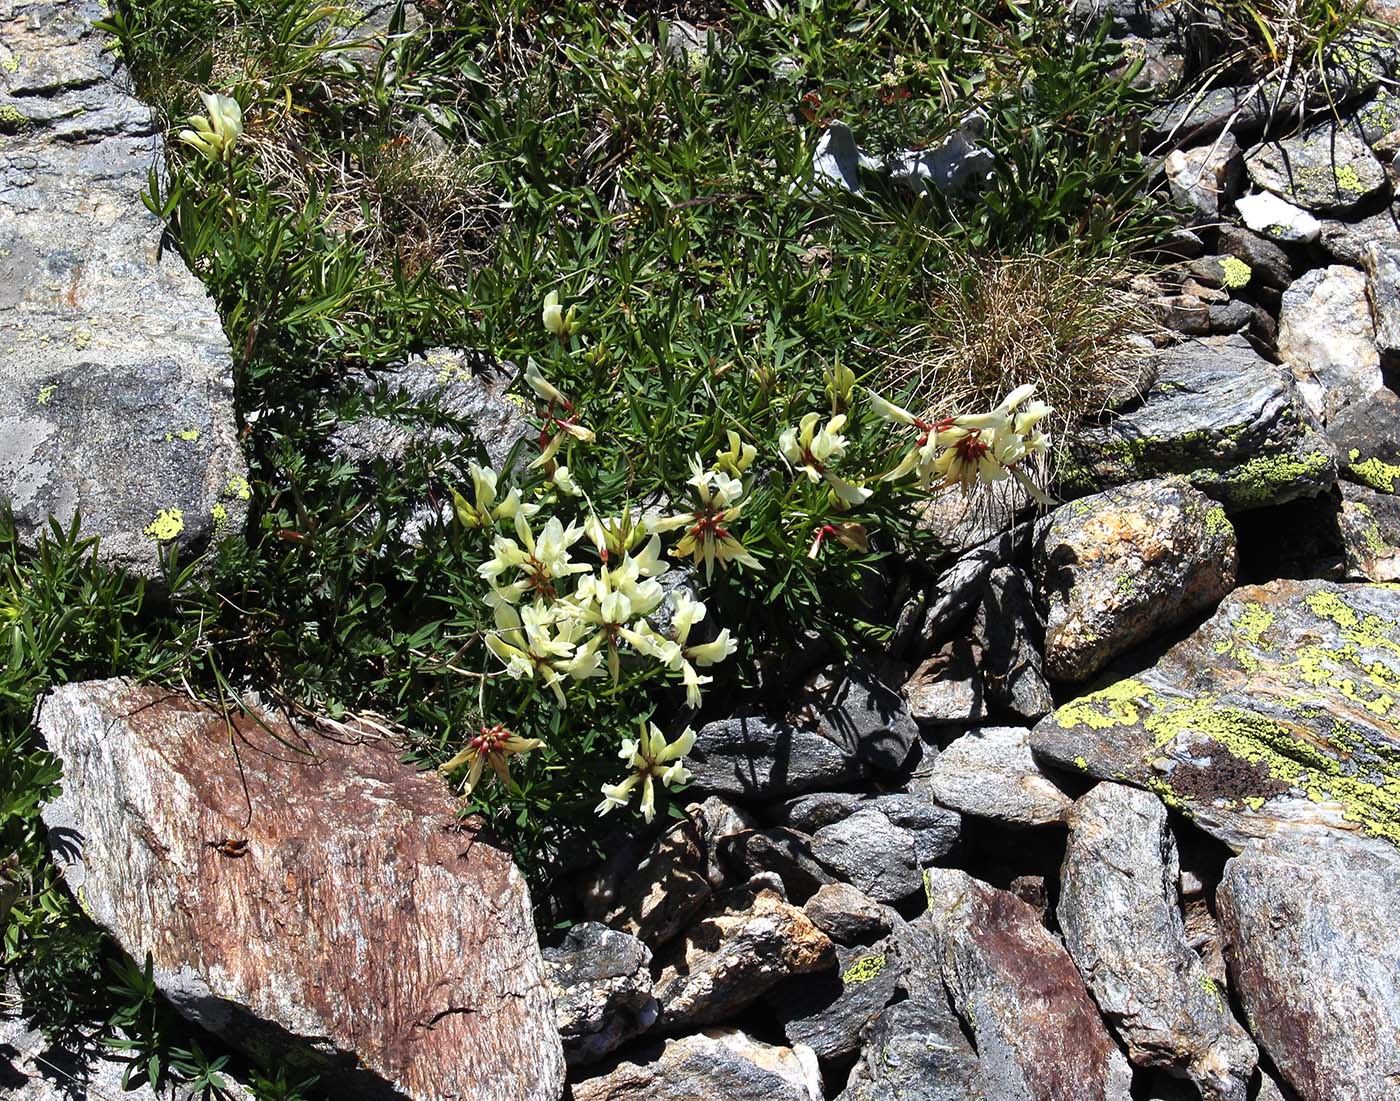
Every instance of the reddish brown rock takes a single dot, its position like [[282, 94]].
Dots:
[[309, 900], [1038, 1035]]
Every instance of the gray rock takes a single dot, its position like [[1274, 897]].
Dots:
[[1383, 292], [1038, 1034], [317, 907], [1310, 926], [1124, 930], [439, 398], [116, 393], [915, 1050], [718, 822], [746, 941], [847, 916], [1327, 169], [1269, 265], [828, 1011], [838, 160], [958, 163], [783, 852], [1121, 565], [853, 707], [947, 688], [870, 852], [1011, 638], [1277, 219], [1200, 178], [1277, 716], [959, 588], [1367, 437], [757, 759], [1370, 528], [1327, 337], [655, 896], [990, 773], [1348, 242], [810, 813], [1228, 420], [719, 1064], [601, 983], [935, 830]]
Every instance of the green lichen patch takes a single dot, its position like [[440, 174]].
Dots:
[[1120, 704], [238, 487], [1218, 523], [46, 393], [864, 969], [1375, 473], [1237, 272], [167, 525]]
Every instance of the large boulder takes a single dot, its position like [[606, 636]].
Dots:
[[312, 901], [1119, 566], [915, 1051], [116, 392], [1123, 928], [1038, 1035], [1221, 415], [1276, 716], [753, 759], [1310, 930]]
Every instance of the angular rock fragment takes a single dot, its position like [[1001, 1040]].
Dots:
[[1266, 214], [1383, 292], [1327, 170], [1310, 929], [847, 916], [1200, 178], [828, 1011], [719, 1064], [1123, 929], [871, 853], [1229, 421], [116, 391], [783, 852], [991, 773], [759, 759], [602, 990], [310, 900], [1326, 335], [1370, 528], [947, 688], [915, 1050], [1011, 637], [1348, 242], [1276, 716], [1038, 1034], [746, 941], [1367, 437], [934, 830], [852, 706], [1121, 565], [655, 897]]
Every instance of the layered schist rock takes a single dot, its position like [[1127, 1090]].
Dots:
[[312, 901], [1278, 715], [116, 395]]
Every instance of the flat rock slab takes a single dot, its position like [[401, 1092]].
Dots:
[[1038, 1035], [1327, 170], [1310, 937], [1218, 413], [915, 1051], [115, 375], [308, 900], [1327, 335], [1276, 716], [991, 773]]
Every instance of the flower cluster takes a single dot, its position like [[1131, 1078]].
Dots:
[[650, 757], [963, 450]]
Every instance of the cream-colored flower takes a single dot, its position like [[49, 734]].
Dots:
[[651, 758], [840, 387], [541, 642], [555, 319], [542, 562], [215, 134], [707, 538], [564, 482], [493, 746], [678, 654], [736, 460], [484, 510], [609, 601], [813, 450]]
